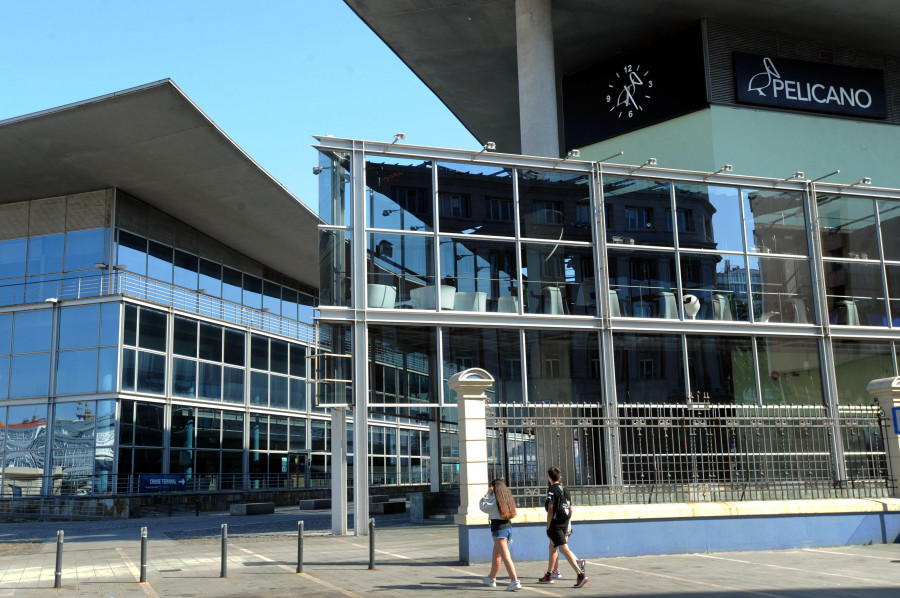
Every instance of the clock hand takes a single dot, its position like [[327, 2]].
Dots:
[[631, 97]]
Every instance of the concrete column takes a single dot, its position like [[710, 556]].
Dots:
[[887, 393], [538, 123], [470, 386], [339, 471]]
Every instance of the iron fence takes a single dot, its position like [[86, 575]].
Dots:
[[689, 452]]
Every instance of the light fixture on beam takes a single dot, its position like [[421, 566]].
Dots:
[[487, 147], [571, 154], [863, 181], [724, 168], [647, 162], [799, 175], [397, 137], [825, 176]]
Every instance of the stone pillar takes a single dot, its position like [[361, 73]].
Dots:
[[538, 116], [470, 386], [339, 471], [887, 393]]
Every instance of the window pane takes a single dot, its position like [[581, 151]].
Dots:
[[159, 263], [400, 194], [210, 381], [259, 433], [481, 275], [259, 389], [231, 285], [289, 303], [234, 347], [12, 258], [775, 221], [77, 372], [252, 292], [855, 294], [4, 383], [856, 363], [401, 269], [85, 248], [298, 360], [151, 374], [132, 253], [789, 371], [298, 394], [79, 326], [233, 387], [208, 428], [31, 332], [781, 290], [719, 281], [636, 211], [649, 368], [317, 434], [563, 367], [29, 376], [497, 351], [45, 254], [889, 213], [642, 284], [709, 217], [279, 362], [259, 352], [210, 278], [109, 324], [233, 431], [5, 334], [153, 330], [107, 369], [278, 392], [297, 432], [184, 378], [130, 327], [272, 297], [547, 204], [210, 342], [721, 369], [129, 358], [186, 270], [475, 198], [278, 440], [560, 279], [150, 422], [847, 226], [182, 429], [184, 337]]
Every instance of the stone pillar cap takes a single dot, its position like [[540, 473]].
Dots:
[[883, 386], [470, 377]]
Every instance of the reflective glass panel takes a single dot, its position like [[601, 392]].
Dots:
[[642, 284], [563, 367], [210, 342], [184, 337], [109, 324], [234, 347], [79, 326], [889, 214], [847, 226], [259, 433], [403, 367], [208, 428], [12, 291], [335, 204], [721, 369], [496, 351], [775, 221], [289, 303], [210, 381], [151, 373], [635, 211], [5, 334], [272, 297], [31, 331], [298, 360], [129, 363], [30, 434], [399, 194], [707, 217], [232, 430], [252, 292], [4, 382], [782, 290], [159, 263], [29, 376], [478, 275], [278, 392], [298, 394], [856, 363], [259, 352], [132, 253], [649, 368], [184, 378], [334, 267], [152, 330], [12, 258], [401, 271], [558, 279], [278, 435], [150, 422], [719, 281], [790, 371], [475, 199], [186, 266], [45, 254], [547, 204], [893, 281], [85, 248], [232, 284], [130, 327], [210, 278], [233, 385], [106, 369], [855, 294], [259, 388], [297, 432], [77, 372], [279, 357], [317, 429], [182, 429]]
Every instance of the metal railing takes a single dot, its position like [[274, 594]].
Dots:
[[118, 282], [689, 453]]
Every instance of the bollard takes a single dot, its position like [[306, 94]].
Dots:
[[57, 578], [143, 554], [224, 572], [371, 544], [299, 547]]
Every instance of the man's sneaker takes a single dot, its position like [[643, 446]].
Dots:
[[582, 563], [557, 574], [547, 578], [582, 580], [513, 586], [489, 581]]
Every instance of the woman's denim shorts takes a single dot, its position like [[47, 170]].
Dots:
[[503, 534]]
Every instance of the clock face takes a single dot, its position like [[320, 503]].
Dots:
[[629, 91]]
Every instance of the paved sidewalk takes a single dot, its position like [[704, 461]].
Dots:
[[102, 559]]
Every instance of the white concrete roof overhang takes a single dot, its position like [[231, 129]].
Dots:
[[465, 50], [156, 144]]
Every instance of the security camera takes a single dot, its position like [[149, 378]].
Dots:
[[691, 305]]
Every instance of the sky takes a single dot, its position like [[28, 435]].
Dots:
[[270, 73]]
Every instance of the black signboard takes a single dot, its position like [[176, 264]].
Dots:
[[798, 85], [635, 89]]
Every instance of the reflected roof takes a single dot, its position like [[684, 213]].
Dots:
[[465, 50], [156, 144]]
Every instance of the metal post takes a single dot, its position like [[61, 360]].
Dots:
[[224, 572], [371, 544], [143, 554], [57, 582], [299, 547]]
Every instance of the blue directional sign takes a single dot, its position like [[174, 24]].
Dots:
[[162, 482]]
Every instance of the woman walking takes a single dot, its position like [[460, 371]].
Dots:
[[500, 506]]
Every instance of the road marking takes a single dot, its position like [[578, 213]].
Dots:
[[856, 554], [148, 589], [817, 571], [321, 582]]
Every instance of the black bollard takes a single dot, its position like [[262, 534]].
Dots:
[[299, 547], [143, 554], [224, 572], [371, 544], [57, 579]]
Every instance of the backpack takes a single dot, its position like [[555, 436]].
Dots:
[[562, 504]]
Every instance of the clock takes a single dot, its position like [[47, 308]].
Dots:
[[629, 91]]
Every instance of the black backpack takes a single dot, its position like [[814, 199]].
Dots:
[[562, 510]]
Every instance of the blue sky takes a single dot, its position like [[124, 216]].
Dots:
[[269, 73]]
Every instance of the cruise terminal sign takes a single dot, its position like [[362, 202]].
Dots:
[[813, 86]]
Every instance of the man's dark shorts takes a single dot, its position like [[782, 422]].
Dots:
[[557, 534]]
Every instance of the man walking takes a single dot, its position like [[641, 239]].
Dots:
[[559, 512]]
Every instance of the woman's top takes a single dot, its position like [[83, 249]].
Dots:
[[488, 505]]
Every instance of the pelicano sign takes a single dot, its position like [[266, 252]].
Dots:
[[798, 85]]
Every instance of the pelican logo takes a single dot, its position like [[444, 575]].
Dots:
[[809, 86]]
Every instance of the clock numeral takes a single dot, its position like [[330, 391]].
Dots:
[[649, 84], [630, 113], [608, 99]]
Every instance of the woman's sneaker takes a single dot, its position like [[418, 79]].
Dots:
[[582, 580], [547, 578], [582, 563], [513, 586], [557, 574], [489, 581]]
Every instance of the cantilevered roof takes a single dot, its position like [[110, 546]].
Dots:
[[156, 144], [465, 50]]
